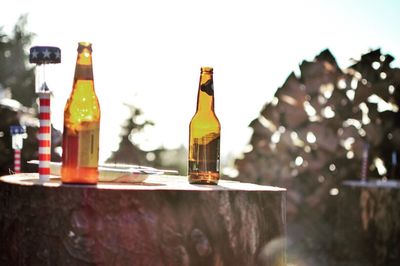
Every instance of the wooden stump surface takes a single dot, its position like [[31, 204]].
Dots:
[[161, 221]]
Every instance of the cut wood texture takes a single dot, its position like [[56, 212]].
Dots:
[[367, 231], [162, 221], [312, 135]]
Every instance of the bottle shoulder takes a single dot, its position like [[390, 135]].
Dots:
[[205, 120], [209, 114], [83, 104]]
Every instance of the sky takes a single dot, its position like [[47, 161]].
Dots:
[[149, 54]]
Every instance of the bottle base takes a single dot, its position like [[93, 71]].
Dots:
[[79, 183], [208, 178], [79, 175]]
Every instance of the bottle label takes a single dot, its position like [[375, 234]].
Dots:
[[83, 72], [88, 148], [208, 87]]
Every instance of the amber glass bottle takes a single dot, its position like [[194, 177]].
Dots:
[[81, 124], [204, 135]]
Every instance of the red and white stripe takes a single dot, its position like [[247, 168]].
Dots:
[[44, 136], [17, 161]]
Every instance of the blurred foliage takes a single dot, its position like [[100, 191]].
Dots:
[[313, 136], [133, 151], [15, 73]]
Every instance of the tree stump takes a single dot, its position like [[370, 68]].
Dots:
[[162, 221], [368, 223]]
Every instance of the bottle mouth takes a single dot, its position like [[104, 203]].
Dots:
[[206, 69], [84, 45]]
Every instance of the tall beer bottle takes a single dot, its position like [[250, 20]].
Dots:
[[81, 124], [204, 135]]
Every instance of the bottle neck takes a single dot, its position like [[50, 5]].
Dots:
[[83, 68], [205, 96]]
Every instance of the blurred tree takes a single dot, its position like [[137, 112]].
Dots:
[[175, 159], [131, 149], [128, 152], [15, 73]]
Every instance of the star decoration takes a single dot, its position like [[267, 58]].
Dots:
[[34, 54], [46, 53], [57, 54]]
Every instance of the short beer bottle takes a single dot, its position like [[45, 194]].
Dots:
[[204, 135], [81, 124]]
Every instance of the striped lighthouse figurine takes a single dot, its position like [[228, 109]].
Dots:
[[17, 135], [42, 56]]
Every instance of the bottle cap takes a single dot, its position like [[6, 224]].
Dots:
[[45, 55]]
